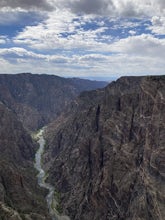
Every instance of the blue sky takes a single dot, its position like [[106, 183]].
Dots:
[[82, 38]]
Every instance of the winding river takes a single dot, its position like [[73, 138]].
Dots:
[[51, 202]]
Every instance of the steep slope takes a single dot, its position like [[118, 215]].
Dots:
[[38, 99], [20, 196], [106, 154]]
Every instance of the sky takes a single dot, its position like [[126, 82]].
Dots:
[[83, 38]]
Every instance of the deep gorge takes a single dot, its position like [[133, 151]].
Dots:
[[104, 150]]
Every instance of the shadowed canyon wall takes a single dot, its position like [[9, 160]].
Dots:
[[106, 154]]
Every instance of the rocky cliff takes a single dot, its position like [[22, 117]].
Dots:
[[38, 99], [20, 196], [106, 154]]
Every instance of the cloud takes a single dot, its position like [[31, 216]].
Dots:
[[26, 4], [158, 25], [62, 30], [18, 53], [3, 39], [110, 8], [132, 32], [144, 45], [78, 38], [95, 50], [90, 7], [20, 17], [134, 55], [161, 3], [122, 8]]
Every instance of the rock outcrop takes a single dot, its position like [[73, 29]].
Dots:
[[20, 196], [38, 99], [106, 154]]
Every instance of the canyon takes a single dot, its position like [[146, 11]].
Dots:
[[103, 152], [27, 103]]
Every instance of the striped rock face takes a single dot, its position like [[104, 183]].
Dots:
[[106, 154]]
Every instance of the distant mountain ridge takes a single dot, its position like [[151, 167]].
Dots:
[[106, 154], [38, 99]]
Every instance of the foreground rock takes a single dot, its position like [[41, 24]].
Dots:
[[38, 99], [106, 155], [20, 196]]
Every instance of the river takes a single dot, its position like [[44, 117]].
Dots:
[[51, 202]]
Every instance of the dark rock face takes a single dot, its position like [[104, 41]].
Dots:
[[106, 155], [38, 99], [28, 102], [20, 196]]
